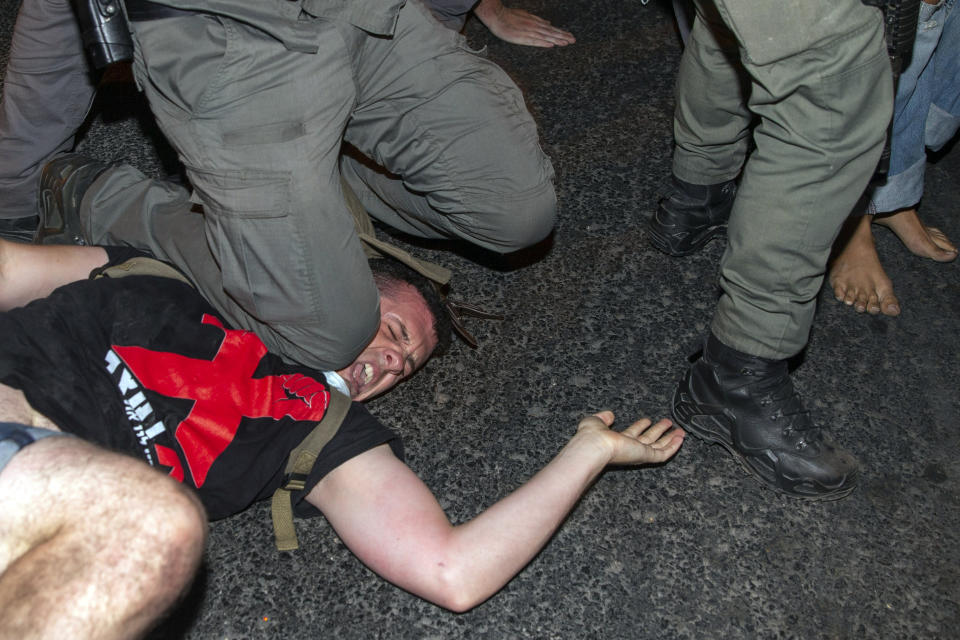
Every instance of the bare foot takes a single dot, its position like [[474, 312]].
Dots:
[[924, 241], [856, 275]]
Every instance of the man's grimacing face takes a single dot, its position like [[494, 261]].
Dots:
[[402, 344]]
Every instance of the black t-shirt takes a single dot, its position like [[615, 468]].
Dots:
[[143, 365]]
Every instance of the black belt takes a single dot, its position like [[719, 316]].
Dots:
[[143, 10]]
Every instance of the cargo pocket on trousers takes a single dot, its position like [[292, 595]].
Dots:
[[252, 238]]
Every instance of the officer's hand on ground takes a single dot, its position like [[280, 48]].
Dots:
[[517, 26]]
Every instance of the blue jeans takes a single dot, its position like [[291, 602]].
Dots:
[[15, 436], [927, 106]]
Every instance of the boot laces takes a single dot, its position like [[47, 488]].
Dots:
[[778, 395]]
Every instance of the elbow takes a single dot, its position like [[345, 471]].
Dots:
[[458, 590], [462, 608], [457, 601]]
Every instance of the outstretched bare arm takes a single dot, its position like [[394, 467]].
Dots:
[[393, 523], [29, 272]]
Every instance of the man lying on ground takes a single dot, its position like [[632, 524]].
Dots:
[[69, 553], [143, 364]]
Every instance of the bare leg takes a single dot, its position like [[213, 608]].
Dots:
[[93, 544], [29, 272], [856, 275], [924, 241], [15, 408]]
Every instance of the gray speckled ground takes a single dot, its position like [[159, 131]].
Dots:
[[597, 319]]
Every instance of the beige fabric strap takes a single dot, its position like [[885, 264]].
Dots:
[[298, 469], [141, 266], [374, 248], [429, 270]]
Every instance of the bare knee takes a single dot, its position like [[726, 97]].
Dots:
[[116, 540], [159, 535], [173, 523], [157, 524]]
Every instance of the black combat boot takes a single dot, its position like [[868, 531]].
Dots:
[[690, 215], [748, 405], [63, 183]]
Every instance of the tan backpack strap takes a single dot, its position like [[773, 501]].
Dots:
[[429, 270], [299, 466], [374, 248], [140, 266], [361, 219]]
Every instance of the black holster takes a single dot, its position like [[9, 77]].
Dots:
[[104, 31]]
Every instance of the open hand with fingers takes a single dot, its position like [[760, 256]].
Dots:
[[643, 442], [517, 26]]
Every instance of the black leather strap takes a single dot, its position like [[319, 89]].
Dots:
[[143, 10]]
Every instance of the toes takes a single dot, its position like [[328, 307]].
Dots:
[[889, 305], [849, 296], [861, 302], [839, 292], [940, 239], [931, 243], [942, 250], [945, 255]]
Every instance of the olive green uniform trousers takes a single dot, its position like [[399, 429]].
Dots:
[[257, 98], [808, 83]]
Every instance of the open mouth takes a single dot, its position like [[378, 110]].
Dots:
[[362, 376]]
